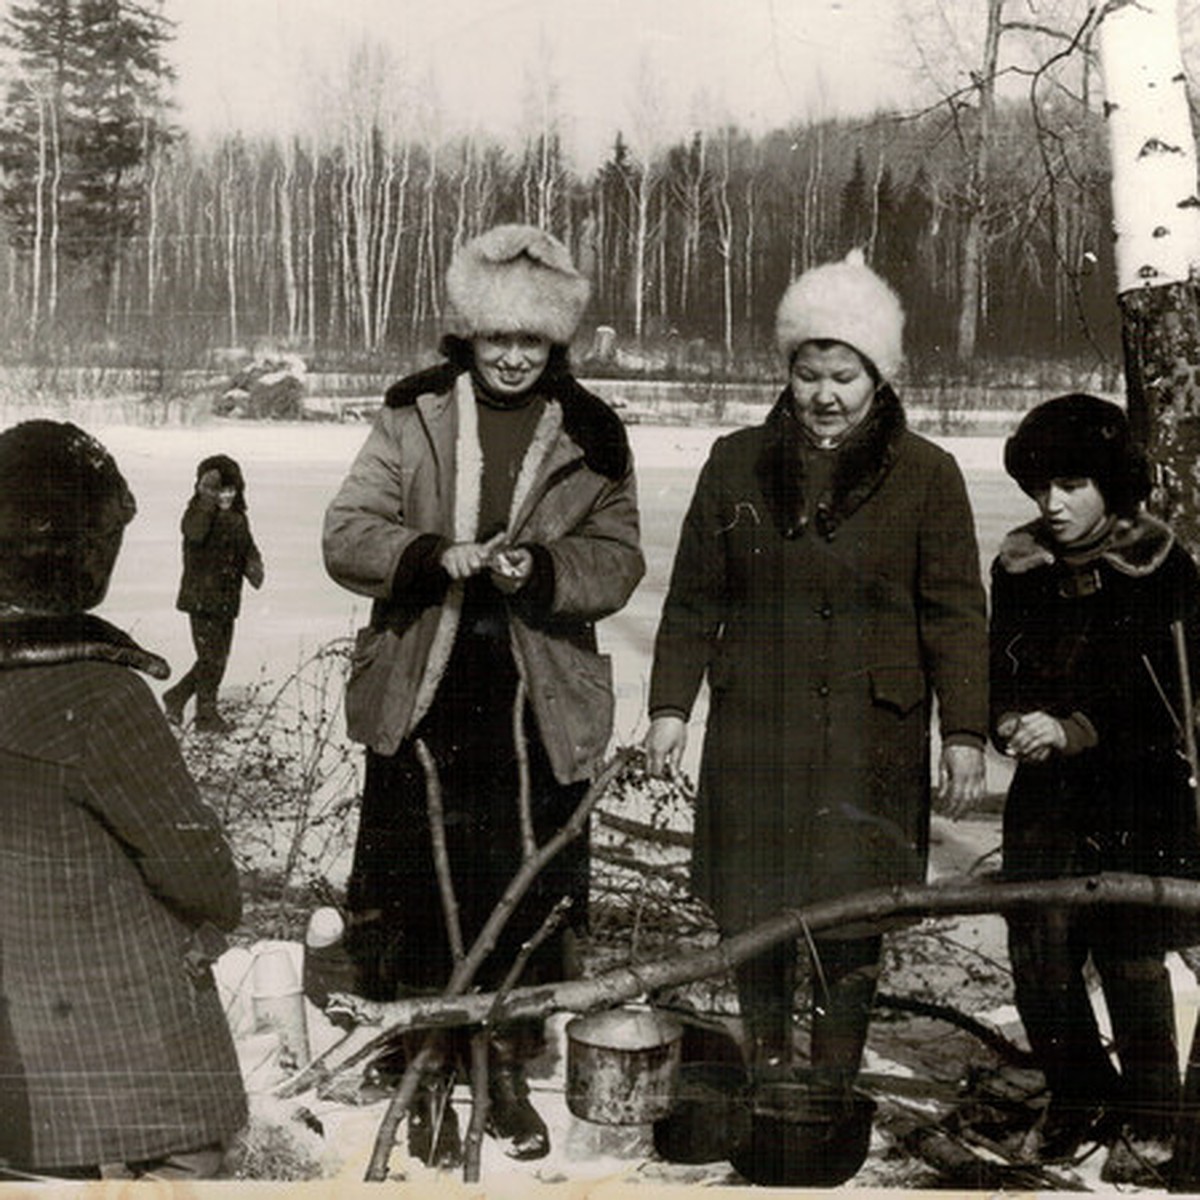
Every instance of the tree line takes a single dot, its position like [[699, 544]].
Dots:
[[121, 230]]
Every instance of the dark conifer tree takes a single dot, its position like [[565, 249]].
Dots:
[[87, 108]]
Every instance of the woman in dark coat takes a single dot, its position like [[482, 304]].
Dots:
[[827, 585], [492, 517], [1086, 697], [218, 553], [115, 1055]]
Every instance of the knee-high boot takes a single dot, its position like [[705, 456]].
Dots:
[[511, 1116], [846, 974], [766, 987]]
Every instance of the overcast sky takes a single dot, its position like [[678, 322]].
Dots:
[[251, 64]]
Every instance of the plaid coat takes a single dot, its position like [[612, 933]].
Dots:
[[113, 1044]]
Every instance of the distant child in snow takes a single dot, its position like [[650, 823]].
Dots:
[[218, 552]]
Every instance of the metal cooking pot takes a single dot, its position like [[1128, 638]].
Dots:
[[801, 1137], [622, 1065], [711, 1114]]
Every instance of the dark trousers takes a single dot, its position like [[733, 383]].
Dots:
[[212, 638], [1048, 952], [845, 974]]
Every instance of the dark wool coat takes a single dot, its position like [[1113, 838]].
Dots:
[[218, 552], [113, 1043], [1096, 646], [824, 644]]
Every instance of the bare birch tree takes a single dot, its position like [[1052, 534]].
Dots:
[[1157, 221]]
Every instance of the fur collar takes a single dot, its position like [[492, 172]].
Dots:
[[587, 419], [862, 463], [40, 641], [1136, 547]]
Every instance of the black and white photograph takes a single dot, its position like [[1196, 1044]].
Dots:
[[599, 597]]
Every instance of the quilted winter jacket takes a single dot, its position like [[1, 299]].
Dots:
[[415, 485]]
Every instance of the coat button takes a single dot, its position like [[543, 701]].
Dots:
[[825, 610], [823, 690]]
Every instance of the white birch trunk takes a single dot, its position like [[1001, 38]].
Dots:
[[1157, 248], [1155, 209]]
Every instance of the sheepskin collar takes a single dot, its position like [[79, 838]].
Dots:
[[1134, 547], [863, 461], [586, 419], [40, 641]]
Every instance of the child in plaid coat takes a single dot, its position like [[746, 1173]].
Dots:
[[115, 1056]]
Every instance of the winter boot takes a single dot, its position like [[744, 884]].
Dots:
[[511, 1116]]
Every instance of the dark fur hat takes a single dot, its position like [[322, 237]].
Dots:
[[63, 508], [1080, 436], [231, 476]]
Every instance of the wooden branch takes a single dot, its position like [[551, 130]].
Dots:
[[441, 856], [426, 1058], [552, 921], [521, 748], [467, 965], [481, 1102], [990, 1037], [904, 901]]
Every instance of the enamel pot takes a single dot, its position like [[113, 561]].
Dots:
[[622, 1065]]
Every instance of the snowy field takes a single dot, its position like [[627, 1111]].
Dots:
[[293, 470]]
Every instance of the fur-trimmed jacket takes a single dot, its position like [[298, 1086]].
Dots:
[[825, 625], [1088, 639], [113, 1043], [415, 488]]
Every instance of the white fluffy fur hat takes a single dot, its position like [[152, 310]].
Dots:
[[846, 302], [516, 279]]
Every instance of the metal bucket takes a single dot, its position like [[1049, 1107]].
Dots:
[[800, 1137], [622, 1065]]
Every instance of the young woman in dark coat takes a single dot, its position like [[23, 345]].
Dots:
[[115, 1056], [218, 553], [827, 584], [1086, 698]]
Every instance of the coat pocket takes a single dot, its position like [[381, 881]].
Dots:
[[365, 686], [900, 688]]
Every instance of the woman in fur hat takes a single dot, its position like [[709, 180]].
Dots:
[[115, 1057], [827, 584], [1086, 698], [492, 517], [218, 553]]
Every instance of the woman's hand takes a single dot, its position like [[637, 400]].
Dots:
[[464, 559], [664, 745], [511, 569], [1032, 736], [961, 780]]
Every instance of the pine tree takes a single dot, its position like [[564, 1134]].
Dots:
[[86, 110]]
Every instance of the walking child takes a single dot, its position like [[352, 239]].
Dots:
[[218, 553]]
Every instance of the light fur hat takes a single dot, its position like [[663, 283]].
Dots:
[[516, 279], [844, 302]]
